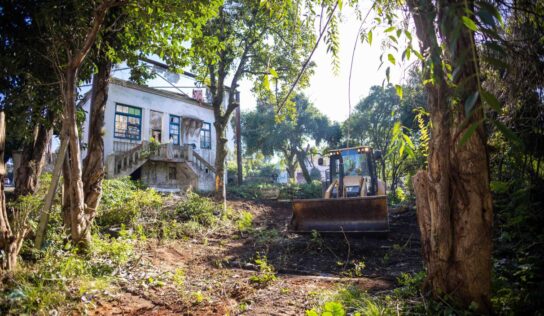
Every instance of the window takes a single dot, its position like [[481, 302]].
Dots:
[[128, 122], [174, 129], [206, 136], [172, 173]]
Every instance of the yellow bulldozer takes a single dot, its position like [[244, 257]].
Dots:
[[354, 199]]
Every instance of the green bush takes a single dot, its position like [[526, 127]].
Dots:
[[311, 190], [60, 277], [198, 209], [245, 221], [123, 202]]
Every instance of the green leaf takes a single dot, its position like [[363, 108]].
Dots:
[[387, 71], [273, 73], [340, 4], [408, 35], [399, 90], [391, 59], [408, 141], [508, 133], [418, 54], [334, 308], [490, 99], [311, 312], [470, 102], [469, 23], [389, 29], [369, 37], [266, 83], [468, 133]]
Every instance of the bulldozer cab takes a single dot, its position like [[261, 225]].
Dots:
[[354, 199], [354, 172]]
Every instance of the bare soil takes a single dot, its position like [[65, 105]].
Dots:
[[217, 269]]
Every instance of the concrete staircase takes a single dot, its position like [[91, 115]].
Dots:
[[125, 163]]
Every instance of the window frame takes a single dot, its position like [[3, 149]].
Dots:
[[178, 124], [206, 135], [128, 115]]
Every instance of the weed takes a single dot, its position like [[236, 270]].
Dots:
[[328, 309], [266, 236], [198, 209], [179, 278], [266, 273], [245, 222], [197, 297]]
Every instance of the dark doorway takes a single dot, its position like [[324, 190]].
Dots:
[[136, 175]]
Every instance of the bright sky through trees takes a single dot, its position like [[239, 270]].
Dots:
[[329, 92]]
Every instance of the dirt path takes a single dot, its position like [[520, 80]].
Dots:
[[214, 273]]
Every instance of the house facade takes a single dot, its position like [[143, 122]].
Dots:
[[163, 138]]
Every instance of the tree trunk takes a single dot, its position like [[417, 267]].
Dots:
[[239, 147], [66, 218], [302, 163], [291, 164], [93, 164], [32, 161], [220, 156], [11, 240], [454, 205], [80, 220], [49, 198]]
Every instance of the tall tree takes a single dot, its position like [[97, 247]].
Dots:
[[247, 39], [70, 41], [30, 95], [453, 197], [290, 137], [130, 33]]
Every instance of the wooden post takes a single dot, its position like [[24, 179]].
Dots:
[[44, 214]]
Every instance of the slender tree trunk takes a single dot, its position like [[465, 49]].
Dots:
[[454, 203], [239, 147], [93, 164], [49, 198], [80, 220], [302, 163], [66, 206], [220, 156], [32, 161]]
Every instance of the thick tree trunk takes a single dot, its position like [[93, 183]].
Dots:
[[454, 203], [93, 164], [220, 156], [32, 161], [80, 220], [302, 163]]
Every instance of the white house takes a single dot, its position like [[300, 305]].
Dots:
[[163, 137]]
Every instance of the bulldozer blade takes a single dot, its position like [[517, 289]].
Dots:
[[353, 215]]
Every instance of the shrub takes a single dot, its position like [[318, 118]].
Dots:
[[123, 202], [266, 273], [198, 209], [245, 222]]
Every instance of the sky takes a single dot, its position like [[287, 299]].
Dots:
[[329, 92]]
